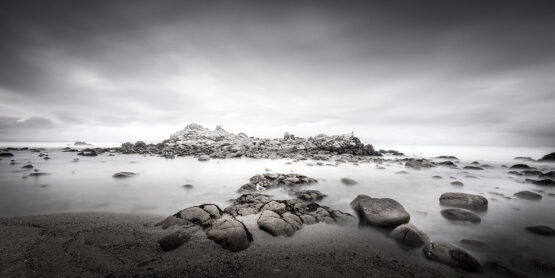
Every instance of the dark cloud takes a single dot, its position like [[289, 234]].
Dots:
[[125, 67]]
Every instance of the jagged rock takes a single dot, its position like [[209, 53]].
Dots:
[[463, 200], [273, 180], [528, 195], [450, 255], [230, 233], [309, 195], [410, 235], [381, 212], [348, 181], [460, 215], [124, 174], [541, 230], [548, 157], [544, 182], [174, 240]]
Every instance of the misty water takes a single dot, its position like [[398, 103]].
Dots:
[[88, 185]]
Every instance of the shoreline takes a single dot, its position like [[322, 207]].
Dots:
[[93, 244]]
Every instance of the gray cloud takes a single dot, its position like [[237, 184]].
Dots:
[[395, 71]]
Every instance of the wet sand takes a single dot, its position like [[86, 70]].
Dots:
[[124, 245]]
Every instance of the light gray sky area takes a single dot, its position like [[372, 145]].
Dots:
[[395, 72]]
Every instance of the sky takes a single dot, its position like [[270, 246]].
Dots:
[[393, 72]]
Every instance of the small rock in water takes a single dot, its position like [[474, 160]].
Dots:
[[463, 200], [6, 154], [457, 183], [402, 172], [174, 240], [541, 230], [124, 174], [528, 195], [381, 212], [348, 181], [204, 157], [28, 166], [309, 195], [37, 174], [548, 175], [188, 186], [410, 235], [437, 177], [461, 215], [544, 182], [451, 255], [473, 168], [520, 166]]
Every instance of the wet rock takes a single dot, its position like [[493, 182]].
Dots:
[[541, 230], [309, 195], [463, 200], [348, 181], [174, 240], [528, 195], [544, 182], [451, 255], [460, 215], [124, 174], [548, 157], [410, 235], [6, 154], [473, 168], [520, 166], [473, 243], [418, 164], [276, 225], [203, 158], [230, 233], [381, 212], [457, 183]]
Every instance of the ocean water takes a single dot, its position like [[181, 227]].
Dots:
[[88, 185]]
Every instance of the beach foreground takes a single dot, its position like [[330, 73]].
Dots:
[[124, 245]]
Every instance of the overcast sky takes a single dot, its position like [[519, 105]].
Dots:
[[394, 72]]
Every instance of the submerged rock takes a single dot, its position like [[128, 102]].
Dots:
[[544, 182], [6, 154], [463, 200], [528, 195], [348, 181], [541, 230], [188, 186], [124, 174], [473, 243], [460, 215], [418, 164], [457, 183], [473, 168], [410, 235], [451, 255], [28, 166], [381, 212]]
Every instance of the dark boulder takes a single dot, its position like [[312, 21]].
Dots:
[[381, 212], [463, 200], [541, 230], [528, 195], [410, 235], [548, 157], [520, 166]]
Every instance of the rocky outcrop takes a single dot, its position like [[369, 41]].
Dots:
[[409, 235], [195, 140], [219, 226], [381, 212], [273, 180], [451, 255], [548, 158], [463, 200]]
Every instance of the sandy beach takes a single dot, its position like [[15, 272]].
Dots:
[[122, 245]]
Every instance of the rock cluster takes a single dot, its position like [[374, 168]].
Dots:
[[196, 140], [274, 180]]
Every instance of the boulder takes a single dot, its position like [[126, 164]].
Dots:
[[174, 240], [463, 200], [276, 225], [451, 255], [520, 166], [381, 212], [230, 233], [541, 230], [461, 215], [410, 235], [528, 195]]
